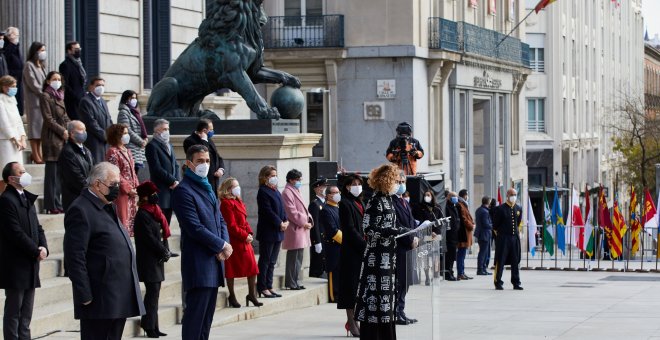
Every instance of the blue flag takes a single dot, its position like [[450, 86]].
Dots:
[[558, 220]]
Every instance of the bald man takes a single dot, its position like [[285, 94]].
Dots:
[[74, 163], [506, 225]]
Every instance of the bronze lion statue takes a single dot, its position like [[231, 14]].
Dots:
[[228, 53]]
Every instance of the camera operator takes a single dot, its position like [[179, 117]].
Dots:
[[405, 150]]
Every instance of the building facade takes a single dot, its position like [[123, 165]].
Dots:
[[652, 79], [586, 58]]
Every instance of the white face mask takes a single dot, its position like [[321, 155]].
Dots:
[[202, 170], [273, 181], [2, 43], [427, 199], [43, 55], [336, 198], [99, 90], [125, 139], [236, 191], [513, 199], [356, 190], [25, 180], [132, 102], [165, 136], [407, 199], [56, 84]]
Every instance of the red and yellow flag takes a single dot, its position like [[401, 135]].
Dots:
[[620, 228], [635, 225], [542, 4], [604, 220]]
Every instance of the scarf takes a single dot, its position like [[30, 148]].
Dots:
[[58, 95], [78, 62], [203, 182], [136, 113], [157, 213]]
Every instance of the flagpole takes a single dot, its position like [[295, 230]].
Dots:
[[629, 232], [571, 230], [598, 239], [542, 233], [513, 29]]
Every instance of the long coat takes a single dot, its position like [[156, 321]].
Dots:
[[125, 116], [271, 214], [295, 236], [242, 262], [55, 121], [11, 126], [73, 166], [100, 261], [74, 82], [163, 170], [405, 222], [484, 228], [94, 113], [316, 260], [21, 236], [149, 248], [376, 291], [216, 161], [506, 223], [128, 181], [203, 235], [451, 211], [330, 222], [467, 225], [15, 66], [351, 212], [33, 81]]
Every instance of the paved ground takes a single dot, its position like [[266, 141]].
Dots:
[[554, 305]]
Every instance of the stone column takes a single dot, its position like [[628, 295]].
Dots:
[[41, 21]]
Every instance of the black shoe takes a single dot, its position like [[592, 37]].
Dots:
[[464, 277], [160, 333], [174, 255], [151, 333], [301, 287], [499, 287], [450, 278], [266, 295], [291, 288], [401, 321], [274, 294], [410, 320], [517, 288], [481, 273], [489, 273], [427, 282]]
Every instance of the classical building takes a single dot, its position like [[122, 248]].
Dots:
[[586, 58], [652, 79]]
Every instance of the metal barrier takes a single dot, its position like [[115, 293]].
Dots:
[[304, 32]]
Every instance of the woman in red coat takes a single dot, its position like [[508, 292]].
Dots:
[[119, 155], [242, 262]]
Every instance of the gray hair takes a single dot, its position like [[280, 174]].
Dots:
[[70, 126], [101, 171], [402, 174], [11, 30], [160, 122]]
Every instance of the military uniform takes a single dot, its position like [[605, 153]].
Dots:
[[507, 242]]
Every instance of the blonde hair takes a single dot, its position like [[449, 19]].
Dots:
[[224, 191], [264, 173], [384, 177], [7, 81]]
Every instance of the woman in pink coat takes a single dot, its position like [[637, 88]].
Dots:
[[119, 155], [296, 236]]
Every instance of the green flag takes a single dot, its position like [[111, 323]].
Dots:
[[548, 228]]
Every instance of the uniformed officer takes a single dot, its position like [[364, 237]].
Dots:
[[506, 226]]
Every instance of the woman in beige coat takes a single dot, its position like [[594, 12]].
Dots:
[[34, 75], [12, 133]]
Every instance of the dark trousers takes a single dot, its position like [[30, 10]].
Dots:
[[316, 262], [101, 329], [18, 313], [168, 214], [149, 320], [506, 247], [332, 250], [52, 188], [483, 257], [268, 252], [450, 257], [198, 314]]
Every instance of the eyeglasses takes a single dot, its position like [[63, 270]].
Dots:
[[113, 184]]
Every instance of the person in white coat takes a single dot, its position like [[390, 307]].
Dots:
[[12, 133]]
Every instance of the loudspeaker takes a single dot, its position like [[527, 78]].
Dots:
[[324, 169]]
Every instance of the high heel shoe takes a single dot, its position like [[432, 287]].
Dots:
[[149, 333], [350, 331], [264, 295], [274, 294], [160, 333], [250, 298], [231, 300]]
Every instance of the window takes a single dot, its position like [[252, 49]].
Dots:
[[436, 132], [157, 40], [81, 23], [536, 114], [537, 59], [298, 8]]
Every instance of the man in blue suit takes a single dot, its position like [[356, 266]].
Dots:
[[204, 244], [484, 234]]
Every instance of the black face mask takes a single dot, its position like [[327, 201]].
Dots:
[[76, 54], [113, 192], [153, 199]]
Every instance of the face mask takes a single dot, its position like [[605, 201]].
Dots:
[[76, 54], [153, 199], [2, 43], [402, 189], [12, 91], [454, 200], [236, 191], [298, 184], [394, 189], [210, 134], [273, 181], [125, 139], [14, 41], [407, 199], [356, 190], [512, 199], [133, 103], [80, 137], [43, 55], [202, 170], [164, 136], [427, 199], [56, 84], [336, 198], [99, 90], [113, 193], [24, 180]]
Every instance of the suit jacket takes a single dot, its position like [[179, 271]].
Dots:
[[74, 86], [74, 165], [484, 229], [203, 235], [216, 161], [52, 132], [315, 208], [149, 248], [405, 222], [100, 261], [295, 236], [21, 236], [270, 212], [94, 113], [506, 219], [163, 170]]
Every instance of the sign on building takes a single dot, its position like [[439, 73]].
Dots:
[[374, 110], [386, 88]]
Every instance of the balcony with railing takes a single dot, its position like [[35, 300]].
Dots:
[[326, 31], [467, 38], [536, 125]]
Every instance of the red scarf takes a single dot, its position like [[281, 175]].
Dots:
[[58, 95], [155, 211]]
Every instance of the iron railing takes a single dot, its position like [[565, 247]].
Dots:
[[304, 32], [467, 38], [536, 125]]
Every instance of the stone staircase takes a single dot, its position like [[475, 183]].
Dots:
[[53, 307]]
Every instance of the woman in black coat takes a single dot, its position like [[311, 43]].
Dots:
[[151, 253]]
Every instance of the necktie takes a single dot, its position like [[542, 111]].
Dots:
[[24, 199]]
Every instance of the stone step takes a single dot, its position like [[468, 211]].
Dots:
[[38, 171]]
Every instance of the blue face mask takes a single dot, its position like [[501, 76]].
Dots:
[[210, 134], [298, 184], [454, 200], [402, 189], [12, 91]]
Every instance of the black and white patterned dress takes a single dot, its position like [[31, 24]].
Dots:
[[376, 294]]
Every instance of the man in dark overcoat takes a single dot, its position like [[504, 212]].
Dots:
[[22, 246], [74, 78], [317, 254], [163, 168], [74, 163], [94, 113], [506, 225], [100, 260], [203, 135]]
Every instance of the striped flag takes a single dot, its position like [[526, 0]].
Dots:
[[548, 228], [575, 216], [531, 226], [558, 221], [542, 4], [649, 215], [635, 224], [620, 228], [604, 219], [589, 235]]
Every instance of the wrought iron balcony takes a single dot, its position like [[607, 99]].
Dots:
[[304, 32], [467, 38]]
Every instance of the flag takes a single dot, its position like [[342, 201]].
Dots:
[[558, 221], [589, 236], [620, 228], [604, 217], [635, 224], [499, 196], [649, 215], [575, 216], [531, 226], [548, 228], [542, 4]]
